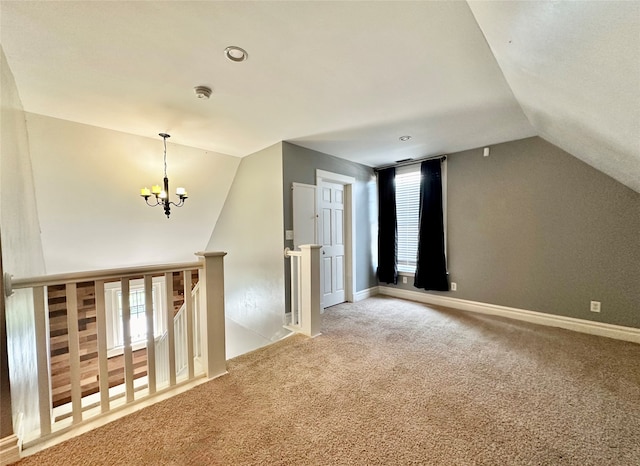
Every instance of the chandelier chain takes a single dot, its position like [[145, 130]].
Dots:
[[165, 155]]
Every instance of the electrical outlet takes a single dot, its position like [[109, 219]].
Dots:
[[404, 279], [595, 306], [454, 286]]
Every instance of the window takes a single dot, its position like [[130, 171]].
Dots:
[[408, 216], [138, 321]]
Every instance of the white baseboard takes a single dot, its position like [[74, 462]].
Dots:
[[570, 323], [36, 444], [364, 294], [9, 450]]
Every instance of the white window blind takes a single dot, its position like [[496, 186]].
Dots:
[[408, 215]]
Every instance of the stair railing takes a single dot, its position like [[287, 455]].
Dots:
[[195, 341], [305, 289]]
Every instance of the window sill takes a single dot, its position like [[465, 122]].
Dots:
[[119, 350]]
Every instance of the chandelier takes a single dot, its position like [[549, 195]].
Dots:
[[162, 195]]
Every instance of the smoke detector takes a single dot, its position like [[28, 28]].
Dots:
[[202, 92]]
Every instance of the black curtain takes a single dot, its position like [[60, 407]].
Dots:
[[431, 271], [387, 227]]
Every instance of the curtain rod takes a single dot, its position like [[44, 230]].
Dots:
[[402, 163]]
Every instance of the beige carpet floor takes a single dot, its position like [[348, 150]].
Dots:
[[394, 382]]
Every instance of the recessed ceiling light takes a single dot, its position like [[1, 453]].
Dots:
[[404, 138], [236, 54]]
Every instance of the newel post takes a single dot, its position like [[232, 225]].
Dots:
[[212, 303], [310, 290]]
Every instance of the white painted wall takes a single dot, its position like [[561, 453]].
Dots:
[[21, 248], [250, 230], [88, 181], [575, 69]]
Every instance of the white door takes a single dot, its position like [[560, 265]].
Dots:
[[331, 237], [304, 214]]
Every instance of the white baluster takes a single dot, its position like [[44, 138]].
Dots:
[[151, 342], [74, 351], [188, 300], [126, 337], [42, 354], [103, 362]]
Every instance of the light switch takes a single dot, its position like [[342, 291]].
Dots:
[[288, 234]]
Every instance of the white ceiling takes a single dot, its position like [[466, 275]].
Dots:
[[574, 66], [345, 78]]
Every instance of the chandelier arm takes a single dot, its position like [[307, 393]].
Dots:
[[152, 205]]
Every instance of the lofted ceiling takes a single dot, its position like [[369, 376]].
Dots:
[[574, 67], [345, 78]]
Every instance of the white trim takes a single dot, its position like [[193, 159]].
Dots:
[[295, 329], [9, 450], [334, 177], [349, 183], [38, 444], [113, 319], [119, 350], [107, 275], [364, 294], [618, 332]]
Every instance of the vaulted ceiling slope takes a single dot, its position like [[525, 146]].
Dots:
[[345, 78], [575, 69]]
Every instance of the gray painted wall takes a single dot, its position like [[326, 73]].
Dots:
[[299, 165], [532, 227], [249, 229]]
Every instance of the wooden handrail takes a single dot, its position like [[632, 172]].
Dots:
[[107, 274], [291, 253]]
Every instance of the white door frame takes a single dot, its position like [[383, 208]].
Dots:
[[349, 183]]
